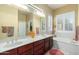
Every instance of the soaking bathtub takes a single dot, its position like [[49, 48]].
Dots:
[[66, 44]]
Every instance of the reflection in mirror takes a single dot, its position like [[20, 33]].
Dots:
[[13, 21], [9, 30], [18, 20], [25, 23], [49, 24], [22, 23], [8, 21], [31, 27], [43, 24]]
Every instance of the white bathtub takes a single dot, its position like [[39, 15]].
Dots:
[[66, 44]]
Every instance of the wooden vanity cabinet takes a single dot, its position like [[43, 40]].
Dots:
[[47, 44], [10, 52], [26, 50], [39, 47], [51, 42]]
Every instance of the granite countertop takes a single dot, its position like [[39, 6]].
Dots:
[[11, 43]]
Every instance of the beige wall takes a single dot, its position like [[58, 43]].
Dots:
[[64, 9], [36, 22], [8, 17], [78, 16]]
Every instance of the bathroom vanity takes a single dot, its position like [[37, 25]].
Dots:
[[37, 47], [18, 23]]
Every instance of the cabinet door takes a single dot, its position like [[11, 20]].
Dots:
[[10, 52], [24, 49], [38, 43], [39, 47], [47, 44], [51, 42]]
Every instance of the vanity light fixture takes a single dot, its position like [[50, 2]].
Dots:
[[40, 13], [36, 10], [33, 7], [22, 7]]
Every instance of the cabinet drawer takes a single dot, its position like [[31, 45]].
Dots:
[[47, 44], [38, 42], [24, 48], [10, 52]]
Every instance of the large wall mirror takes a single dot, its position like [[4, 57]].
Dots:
[[18, 20], [15, 21], [25, 23], [8, 21]]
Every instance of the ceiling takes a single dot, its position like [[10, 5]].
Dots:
[[55, 6]]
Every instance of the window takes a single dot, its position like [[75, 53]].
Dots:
[[65, 22], [59, 23]]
